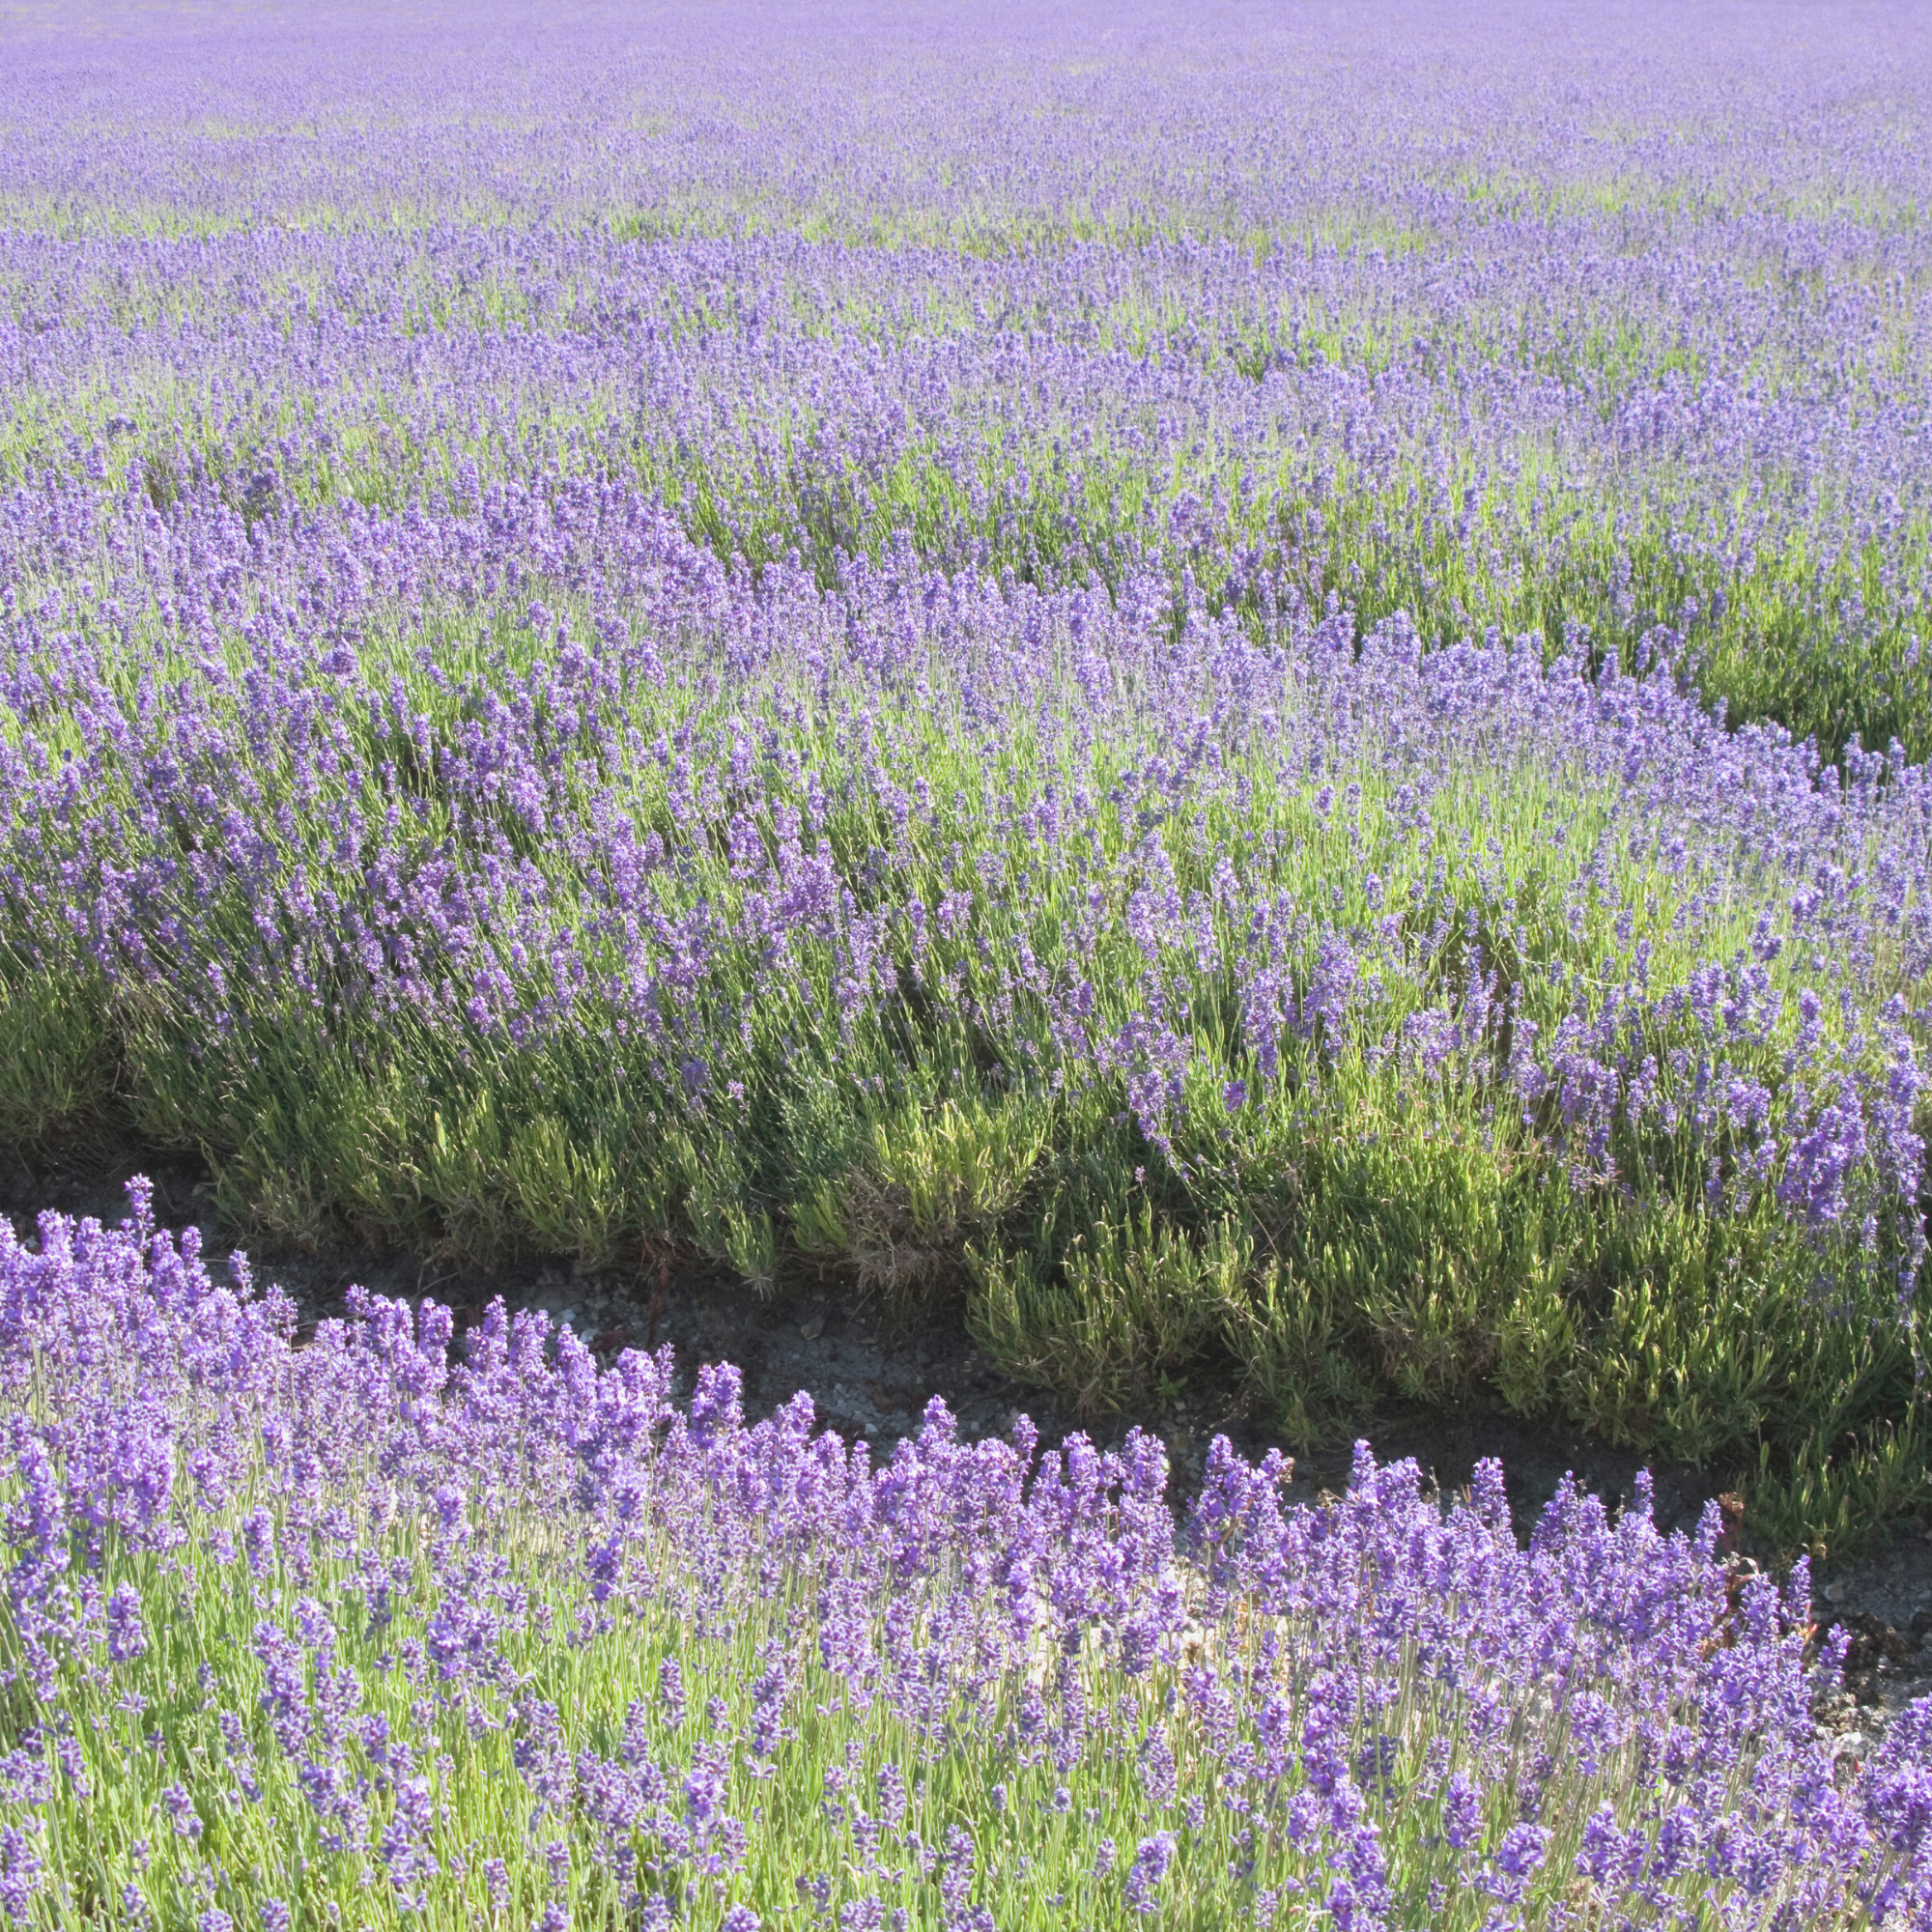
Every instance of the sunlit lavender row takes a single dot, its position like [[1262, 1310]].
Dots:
[[357, 1634]]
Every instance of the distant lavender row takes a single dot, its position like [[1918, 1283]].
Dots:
[[1105, 119], [1536, 364], [350, 1627]]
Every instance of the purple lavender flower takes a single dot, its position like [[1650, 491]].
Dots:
[[180, 1806], [1151, 1861], [127, 1635], [1461, 1811], [22, 1871]]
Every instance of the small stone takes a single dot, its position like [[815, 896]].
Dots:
[[812, 1327]]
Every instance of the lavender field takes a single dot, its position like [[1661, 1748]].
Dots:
[[1239, 695]]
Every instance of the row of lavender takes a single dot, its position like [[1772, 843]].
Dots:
[[1452, 439], [1199, 988], [352, 1633], [1544, 366]]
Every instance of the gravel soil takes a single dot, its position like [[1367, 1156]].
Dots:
[[870, 1369]]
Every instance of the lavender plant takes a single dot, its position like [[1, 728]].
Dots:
[[350, 1632]]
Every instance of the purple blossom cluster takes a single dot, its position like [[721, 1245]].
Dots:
[[352, 1624]]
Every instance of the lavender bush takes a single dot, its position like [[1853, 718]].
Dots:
[[1220, 685], [349, 1633]]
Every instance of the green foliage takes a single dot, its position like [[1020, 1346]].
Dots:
[[1130, 1310], [929, 1179], [57, 1065], [1337, 1266]]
